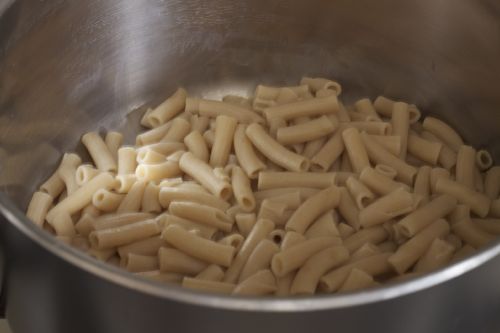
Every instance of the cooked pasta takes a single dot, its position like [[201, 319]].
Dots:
[[287, 192]]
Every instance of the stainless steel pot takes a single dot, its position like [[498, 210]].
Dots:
[[71, 66]]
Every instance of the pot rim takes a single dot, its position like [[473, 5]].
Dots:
[[258, 304]]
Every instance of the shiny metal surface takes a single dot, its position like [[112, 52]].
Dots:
[[68, 66]]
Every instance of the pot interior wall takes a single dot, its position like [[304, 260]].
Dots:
[[67, 67]]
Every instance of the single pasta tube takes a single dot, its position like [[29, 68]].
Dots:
[[484, 160], [154, 135], [355, 149], [373, 235], [270, 180], [83, 196], [238, 100], [436, 174], [447, 157], [400, 120], [213, 109], [291, 239], [379, 155], [224, 132], [205, 231], [63, 224], [156, 172], [242, 189], [292, 200], [378, 182], [211, 273], [140, 263], [113, 237], [424, 150], [311, 130], [259, 259], [370, 127], [99, 152], [84, 173], [146, 247], [312, 208], [245, 153], [175, 261], [305, 192], [361, 194], [115, 220], [260, 284], [113, 141], [394, 204], [365, 251], [323, 226], [459, 213], [260, 231], [208, 286], [438, 255], [201, 214], [178, 130], [309, 107], [409, 253], [329, 153], [490, 225], [277, 236], [374, 265], [197, 145], [133, 199], [124, 183], [348, 209], [466, 164], [417, 220], [307, 278], [284, 284], [275, 151], [294, 257], [162, 148], [384, 106], [357, 279], [169, 194], [38, 207], [197, 247], [234, 240], [67, 172], [245, 222], [317, 84], [149, 156], [150, 202], [422, 184], [199, 123], [106, 201], [444, 132], [274, 211], [478, 202], [472, 234], [365, 106], [390, 142], [170, 108], [53, 186], [204, 174]]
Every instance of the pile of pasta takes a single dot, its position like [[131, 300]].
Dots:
[[287, 193]]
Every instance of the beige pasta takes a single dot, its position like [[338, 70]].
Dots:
[[140, 263], [53, 186], [390, 142], [484, 161], [99, 152], [106, 201], [357, 279], [259, 232], [157, 172], [84, 173], [310, 108], [211, 273], [208, 285], [242, 189], [38, 207], [169, 194], [270, 180], [213, 109], [161, 277], [439, 207], [150, 202], [447, 157], [175, 261], [400, 120], [224, 132], [355, 149], [259, 259], [291, 239], [312, 208], [490, 225], [199, 123], [154, 135], [439, 254], [118, 219], [329, 153], [292, 200], [245, 153], [436, 174], [307, 278], [422, 184], [234, 240], [294, 257], [444, 132], [478, 202], [379, 155], [348, 209], [378, 182], [311, 130], [384, 106], [472, 234], [323, 226], [204, 174], [113, 141], [275, 151], [178, 130], [359, 192], [466, 164], [260, 284], [167, 110], [132, 201], [411, 251], [201, 214], [113, 237], [245, 222], [370, 127], [124, 183], [317, 84], [373, 235], [365, 251], [394, 204], [67, 172], [146, 247], [424, 150], [274, 211], [198, 247], [63, 224], [197, 145], [204, 230]]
